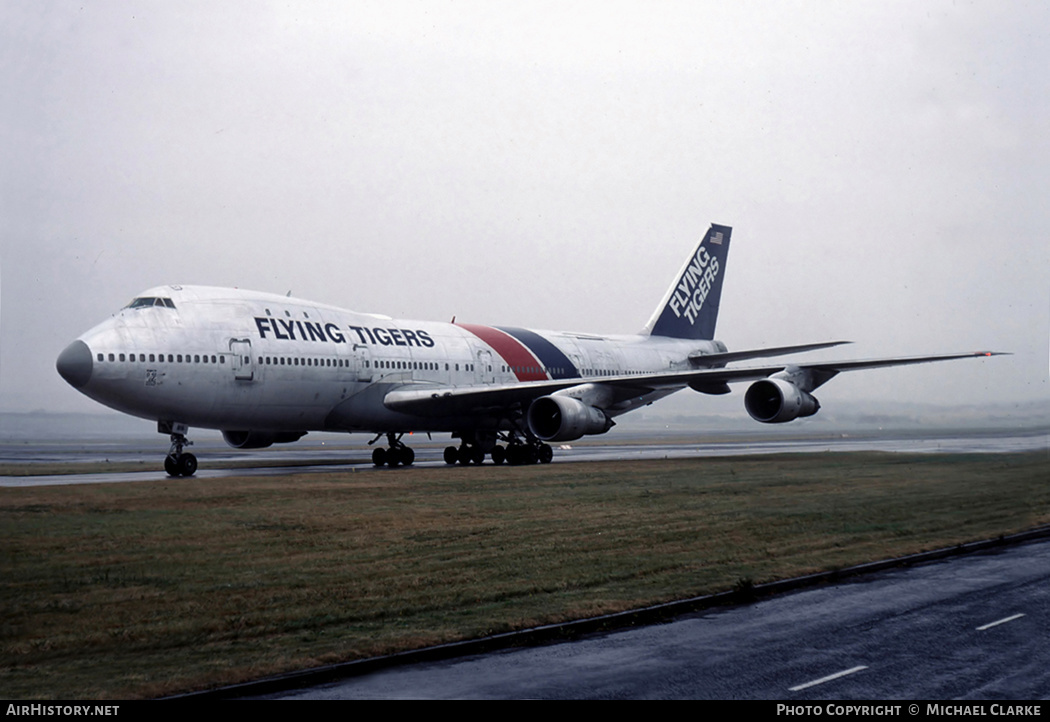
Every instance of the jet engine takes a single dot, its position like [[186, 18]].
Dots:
[[563, 418], [774, 401], [260, 439]]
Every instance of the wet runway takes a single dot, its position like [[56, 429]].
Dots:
[[970, 627], [343, 455]]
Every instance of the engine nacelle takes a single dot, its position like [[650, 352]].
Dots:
[[774, 401], [260, 439], [563, 418]]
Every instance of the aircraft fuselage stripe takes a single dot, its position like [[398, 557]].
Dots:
[[517, 356], [557, 363]]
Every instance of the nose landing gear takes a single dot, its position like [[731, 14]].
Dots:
[[177, 462]]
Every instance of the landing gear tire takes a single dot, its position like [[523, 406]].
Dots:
[[171, 465], [499, 455], [187, 465], [515, 454], [545, 453], [379, 456], [451, 455], [463, 455]]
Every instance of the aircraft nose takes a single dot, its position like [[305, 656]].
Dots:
[[74, 364]]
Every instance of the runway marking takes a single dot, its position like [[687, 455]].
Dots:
[[822, 680], [997, 623]]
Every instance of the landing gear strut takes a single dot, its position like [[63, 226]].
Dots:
[[397, 455], [178, 463]]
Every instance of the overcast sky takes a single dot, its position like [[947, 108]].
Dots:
[[884, 165]]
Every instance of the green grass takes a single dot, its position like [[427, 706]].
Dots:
[[125, 590]]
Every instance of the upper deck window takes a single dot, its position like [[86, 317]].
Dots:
[[145, 301]]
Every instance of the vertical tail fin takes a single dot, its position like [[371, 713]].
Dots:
[[690, 307]]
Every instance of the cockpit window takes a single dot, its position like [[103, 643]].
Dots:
[[145, 301]]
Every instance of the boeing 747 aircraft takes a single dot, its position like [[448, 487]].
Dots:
[[267, 369]]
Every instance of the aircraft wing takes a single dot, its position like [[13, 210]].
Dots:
[[434, 400], [720, 359]]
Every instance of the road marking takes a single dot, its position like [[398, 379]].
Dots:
[[822, 680], [1001, 621]]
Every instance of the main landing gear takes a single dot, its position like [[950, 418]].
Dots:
[[397, 455], [516, 452], [177, 462]]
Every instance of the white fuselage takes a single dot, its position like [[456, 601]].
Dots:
[[230, 359]]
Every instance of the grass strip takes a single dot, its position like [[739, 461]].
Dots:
[[142, 589]]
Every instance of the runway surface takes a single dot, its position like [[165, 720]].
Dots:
[[343, 456], [970, 627]]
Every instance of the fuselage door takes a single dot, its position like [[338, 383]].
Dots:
[[484, 371], [363, 363], [241, 359]]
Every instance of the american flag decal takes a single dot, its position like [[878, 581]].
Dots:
[[716, 239]]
